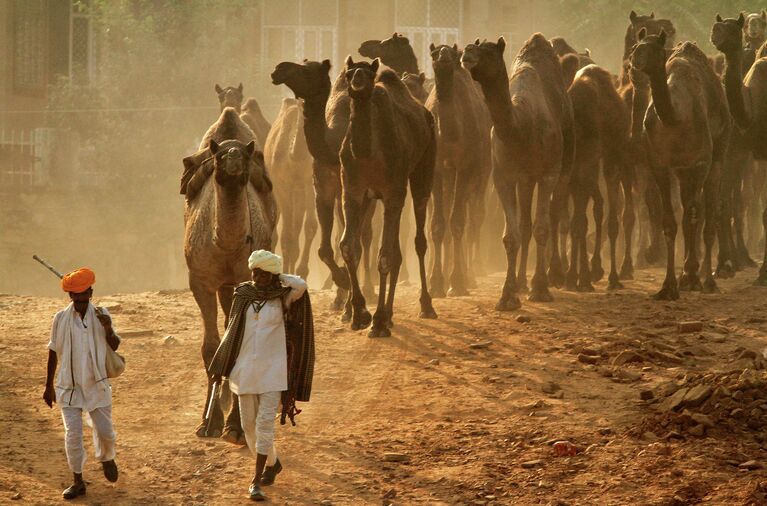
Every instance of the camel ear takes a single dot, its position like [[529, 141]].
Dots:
[[250, 148], [421, 78], [349, 61], [718, 18], [455, 46], [240, 87], [764, 14], [662, 37], [642, 33], [218, 89], [741, 20], [374, 66], [501, 44], [213, 146], [588, 52], [325, 65], [394, 35], [652, 15], [476, 42], [432, 47], [633, 16]]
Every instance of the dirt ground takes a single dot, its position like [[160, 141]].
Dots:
[[461, 399]]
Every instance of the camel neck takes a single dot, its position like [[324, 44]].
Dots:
[[733, 87], [315, 129], [639, 101], [447, 117], [232, 217], [661, 97], [755, 42], [360, 127], [407, 64], [498, 99], [298, 141]]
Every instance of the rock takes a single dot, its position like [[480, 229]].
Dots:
[[703, 420], [550, 387], [649, 436], [605, 431], [524, 319], [691, 326], [751, 465], [675, 401], [737, 413], [111, 306], [16, 496], [697, 430], [530, 464], [588, 359], [696, 396], [626, 375], [395, 457], [646, 395], [169, 340], [135, 333], [391, 494], [595, 353], [750, 379], [434, 361], [326, 502], [627, 357], [605, 371], [480, 346]]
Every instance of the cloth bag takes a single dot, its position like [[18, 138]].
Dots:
[[113, 361]]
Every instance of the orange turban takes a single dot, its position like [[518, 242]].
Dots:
[[78, 281]]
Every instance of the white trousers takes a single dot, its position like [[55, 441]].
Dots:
[[257, 414], [103, 436]]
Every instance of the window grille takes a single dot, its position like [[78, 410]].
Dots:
[[429, 21], [82, 65], [29, 39]]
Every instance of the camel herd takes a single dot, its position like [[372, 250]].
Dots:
[[676, 133]]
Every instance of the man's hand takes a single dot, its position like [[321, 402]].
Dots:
[[106, 321], [49, 396]]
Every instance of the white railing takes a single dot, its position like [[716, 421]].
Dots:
[[18, 158]]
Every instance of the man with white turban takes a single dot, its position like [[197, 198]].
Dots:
[[255, 341]]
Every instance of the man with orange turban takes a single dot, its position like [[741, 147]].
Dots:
[[79, 336]]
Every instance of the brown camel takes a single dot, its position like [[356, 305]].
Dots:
[[602, 124], [463, 160], [532, 144], [225, 220], [415, 83], [230, 97], [572, 61], [390, 142], [290, 166], [747, 97], [252, 115], [688, 109], [394, 52]]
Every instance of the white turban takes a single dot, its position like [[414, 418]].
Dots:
[[266, 261]]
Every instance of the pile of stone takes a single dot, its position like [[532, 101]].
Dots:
[[696, 405]]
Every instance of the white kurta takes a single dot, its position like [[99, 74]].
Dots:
[[262, 363], [87, 393]]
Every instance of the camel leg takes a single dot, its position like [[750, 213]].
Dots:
[[759, 183], [507, 194], [557, 207], [355, 205], [366, 235], [421, 183], [690, 190], [711, 225], [457, 227], [389, 261], [742, 196], [670, 289], [578, 269], [437, 226], [614, 203], [597, 272], [525, 195], [325, 200], [542, 230], [726, 260], [404, 233], [475, 265], [657, 214], [206, 301], [762, 279], [310, 232], [629, 219]]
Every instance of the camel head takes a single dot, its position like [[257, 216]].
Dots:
[[726, 34], [361, 77], [649, 54], [484, 60], [652, 26], [561, 47], [231, 162], [756, 25], [414, 83], [445, 57], [230, 97], [394, 52], [307, 80], [570, 65]]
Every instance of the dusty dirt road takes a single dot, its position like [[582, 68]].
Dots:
[[467, 400]]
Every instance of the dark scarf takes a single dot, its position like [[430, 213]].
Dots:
[[299, 333]]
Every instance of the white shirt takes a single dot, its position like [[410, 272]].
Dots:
[[262, 363], [87, 394]]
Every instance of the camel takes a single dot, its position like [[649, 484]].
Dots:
[[688, 109], [747, 97], [394, 52], [230, 97], [532, 145], [602, 135], [390, 142], [463, 160], [290, 165], [254, 118], [572, 61], [652, 26], [415, 83], [225, 220]]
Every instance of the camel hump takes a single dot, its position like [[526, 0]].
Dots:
[[762, 53], [598, 74], [691, 51], [538, 49]]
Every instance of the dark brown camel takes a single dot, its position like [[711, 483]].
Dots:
[[394, 52], [532, 142], [225, 219], [602, 124], [390, 142], [747, 97], [463, 160], [254, 118], [230, 97], [688, 110], [572, 61], [326, 119]]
